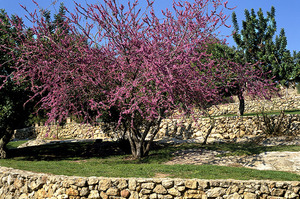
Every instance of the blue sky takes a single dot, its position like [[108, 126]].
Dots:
[[287, 13]]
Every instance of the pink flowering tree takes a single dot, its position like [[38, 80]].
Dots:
[[128, 64]]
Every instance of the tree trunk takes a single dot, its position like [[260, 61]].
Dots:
[[139, 153], [137, 137], [242, 103], [212, 122], [137, 148], [6, 135], [2, 148]]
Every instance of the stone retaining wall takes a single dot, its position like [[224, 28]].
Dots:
[[226, 128], [290, 102], [22, 185]]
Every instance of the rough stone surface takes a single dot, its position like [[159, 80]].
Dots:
[[160, 189], [125, 193], [280, 161], [104, 184], [94, 194]]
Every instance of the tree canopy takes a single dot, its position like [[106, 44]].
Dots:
[[136, 67], [259, 44]]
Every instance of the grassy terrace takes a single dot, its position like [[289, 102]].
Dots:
[[287, 112], [112, 160]]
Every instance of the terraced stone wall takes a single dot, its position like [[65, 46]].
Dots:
[[226, 128], [22, 185], [290, 102]]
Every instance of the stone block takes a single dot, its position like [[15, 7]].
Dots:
[[122, 184], [277, 192], [84, 191], [291, 194], [191, 184], [72, 192], [203, 185], [181, 188], [174, 192], [112, 192], [92, 180], [94, 194], [103, 195], [134, 195], [80, 182], [248, 195], [234, 196], [264, 189], [160, 189], [145, 191], [215, 192], [23, 196], [193, 194], [18, 183], [125, 193], [232, 189], [132, 184], [104, 184], [34, 185], [168, 183], [153, 196], [149, 185]]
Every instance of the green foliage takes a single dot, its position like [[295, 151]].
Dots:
[[12, 97], [256, 40], [223, 51], [271, 126], [59, 19], [296, 69], [13, 113]]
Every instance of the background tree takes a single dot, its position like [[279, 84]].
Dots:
[[136, 67], [13, 113], [256, 40], [220, 52]]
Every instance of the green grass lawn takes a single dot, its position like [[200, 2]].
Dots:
[[112, 160]]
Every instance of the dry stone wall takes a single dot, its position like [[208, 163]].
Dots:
[[226, 128], [22, 185], [290, 102]]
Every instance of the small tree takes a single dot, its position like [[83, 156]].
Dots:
[[135, 67], [220, 51]]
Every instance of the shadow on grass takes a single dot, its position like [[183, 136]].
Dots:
[[65, 151], [159, 153]]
